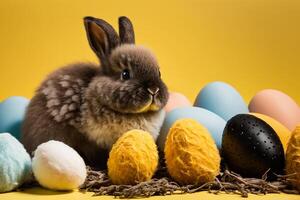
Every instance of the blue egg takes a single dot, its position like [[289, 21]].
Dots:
[[210, 120], [12, 112], [222, 99], [15, 163]]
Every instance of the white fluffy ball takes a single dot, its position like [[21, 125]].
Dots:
[[57, 166]]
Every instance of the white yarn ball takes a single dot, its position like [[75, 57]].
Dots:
[[57, 166]]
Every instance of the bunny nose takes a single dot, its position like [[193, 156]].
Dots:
[[153, 91]]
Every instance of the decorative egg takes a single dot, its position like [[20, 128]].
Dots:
[[222, 99], [133, 158], [15, 163], [293, 158], [57, 166], [283, 133], [12, 112], [277, 105], [191, 154], [176, 100], [250, 146], [210, 120]]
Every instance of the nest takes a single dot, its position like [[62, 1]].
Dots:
[[162, 184]]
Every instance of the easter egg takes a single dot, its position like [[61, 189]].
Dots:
[[283, 133], [15, 163], [12, 112], [57, 166], [176, 100], [222, 99], [133, 158], [293, 158], [250, 146], [191, 154], [277, 105], [210, 120]]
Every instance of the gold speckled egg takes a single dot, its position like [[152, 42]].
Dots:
[[191, 154], [133, 158], [293, 157], [282, 132]]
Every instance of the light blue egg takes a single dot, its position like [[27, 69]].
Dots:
[[12, 112], [210, 120], [222, 99], [15, 163]]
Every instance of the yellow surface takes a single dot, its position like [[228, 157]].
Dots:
[[251, 44], [38, 193]]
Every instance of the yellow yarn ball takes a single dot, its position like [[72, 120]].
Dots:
[[293, 157], [191, 154], [133, 158]]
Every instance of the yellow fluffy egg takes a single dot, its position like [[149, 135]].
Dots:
[[191, 154], [293, 157], [282, 132], [133, 158]]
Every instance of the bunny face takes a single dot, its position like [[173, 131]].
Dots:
[[129, 80], [133, 84]]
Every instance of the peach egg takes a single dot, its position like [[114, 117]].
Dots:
[[176, 100], [277, 105]]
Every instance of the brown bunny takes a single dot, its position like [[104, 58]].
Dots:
[[90, 106]]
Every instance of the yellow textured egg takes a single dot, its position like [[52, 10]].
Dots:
[[191, 154], [293, 157], [133, 158]]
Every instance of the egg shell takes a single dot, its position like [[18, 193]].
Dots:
[[12, 112], [250, 146], [15, 163], [191, 154], [210, 120], [283, 132], [277, 105], [176, 100], [57, 166], [133, 158], [222, 99], [293, 158]]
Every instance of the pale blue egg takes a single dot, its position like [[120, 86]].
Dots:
[[15, 163], [12, 112], [210, 120], [222, 99]]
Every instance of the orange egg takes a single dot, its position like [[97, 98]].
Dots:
[[277, 105]]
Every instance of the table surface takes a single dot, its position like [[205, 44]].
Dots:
[[39, 193]]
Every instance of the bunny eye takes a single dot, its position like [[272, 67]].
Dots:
[[125, 75]]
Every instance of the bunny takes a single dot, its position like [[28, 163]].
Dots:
[[89, 106]]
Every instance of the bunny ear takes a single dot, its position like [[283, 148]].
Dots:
[[126, 30], [101, 36]]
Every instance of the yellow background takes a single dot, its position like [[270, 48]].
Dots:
[[43, 194], [251, 44]]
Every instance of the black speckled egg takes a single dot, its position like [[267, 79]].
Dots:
[[250, 146]]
